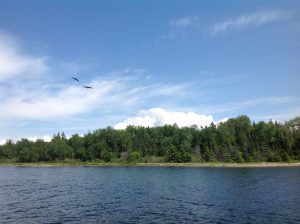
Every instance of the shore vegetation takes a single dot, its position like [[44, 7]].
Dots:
[[236, 141]]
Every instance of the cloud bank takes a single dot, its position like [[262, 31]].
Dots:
[[158, 117]]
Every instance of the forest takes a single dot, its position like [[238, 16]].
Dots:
[[237, 140]]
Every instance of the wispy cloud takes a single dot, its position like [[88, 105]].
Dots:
[[164, 37], [13, 62], [180, 24], [107, 94], [32, 91], [252, 19], [66, 104], [282, 116], [238, 106], [184, 22]]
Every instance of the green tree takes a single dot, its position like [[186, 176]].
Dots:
[[59, 149], [8, 150], [25, 155], [236, 140], [107, 155], [209, 155], [134, 157]]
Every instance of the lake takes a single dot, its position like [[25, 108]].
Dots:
[[149, 195]]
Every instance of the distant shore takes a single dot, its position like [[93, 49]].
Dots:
[[204, 165]]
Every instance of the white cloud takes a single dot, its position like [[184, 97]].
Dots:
[[69, 104], [253, 19], [46, 138], [222, 120], [13, 62], [159, 117], [69, 100], [184, 22], [25, 96], [34, 102], [3, 141]]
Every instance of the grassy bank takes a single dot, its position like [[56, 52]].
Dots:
[[152, 164]]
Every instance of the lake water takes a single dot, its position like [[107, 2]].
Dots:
[[149, 195]]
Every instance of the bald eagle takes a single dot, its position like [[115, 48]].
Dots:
[[75, 79], [87, 87]]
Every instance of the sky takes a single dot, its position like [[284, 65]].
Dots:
[[150, 63]]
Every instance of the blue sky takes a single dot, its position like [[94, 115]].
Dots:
[[149, 62]]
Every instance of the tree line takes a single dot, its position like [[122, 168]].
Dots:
[[236, 140]]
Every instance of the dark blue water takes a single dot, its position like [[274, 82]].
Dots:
[[149, 195]]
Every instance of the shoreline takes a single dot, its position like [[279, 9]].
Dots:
[[183, 165]]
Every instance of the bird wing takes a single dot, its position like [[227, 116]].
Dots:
[[87, 87], [75, 79]]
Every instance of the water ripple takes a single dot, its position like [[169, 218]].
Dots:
[[149, 195]]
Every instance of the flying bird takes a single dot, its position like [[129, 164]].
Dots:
[[87, 87], [75, 79]]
